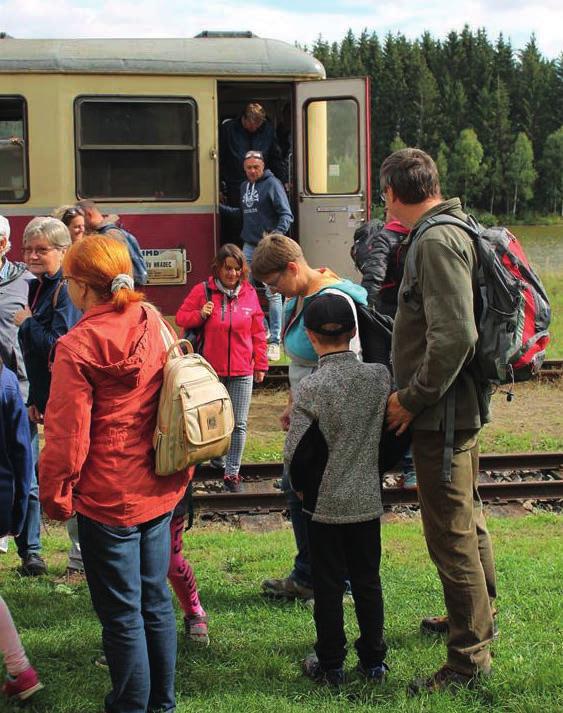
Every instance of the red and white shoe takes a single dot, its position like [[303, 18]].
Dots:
[[23, 686]]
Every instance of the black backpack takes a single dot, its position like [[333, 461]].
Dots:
[[364, 238]]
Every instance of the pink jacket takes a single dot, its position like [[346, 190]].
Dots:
[[234, 336], [98, 457]]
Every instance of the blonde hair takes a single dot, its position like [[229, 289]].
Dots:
[[96, 261], [53, 230], [273, 253]]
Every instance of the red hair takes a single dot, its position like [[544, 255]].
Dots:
[[96, 261]]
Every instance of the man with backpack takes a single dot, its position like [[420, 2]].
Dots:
[[434, 341], [94, 222]]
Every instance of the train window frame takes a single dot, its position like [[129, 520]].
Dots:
[[306, 147], [25, 149], [135, 98]]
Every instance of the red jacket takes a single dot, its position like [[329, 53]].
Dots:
[[234, 337], [98, 457]]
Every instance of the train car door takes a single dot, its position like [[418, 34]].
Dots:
[[332, 168]]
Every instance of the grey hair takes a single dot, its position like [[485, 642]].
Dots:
[[5, 233], [53, 230]]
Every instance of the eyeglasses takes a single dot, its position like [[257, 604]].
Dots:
[[254, 154], [72, 213], [40, 252]]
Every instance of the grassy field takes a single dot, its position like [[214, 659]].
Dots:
[[252, 664]]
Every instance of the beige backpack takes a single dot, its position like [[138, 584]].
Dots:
[[195, 414]]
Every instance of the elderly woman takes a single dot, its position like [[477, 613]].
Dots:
[[98, 461], [227, 310], [48, 315]]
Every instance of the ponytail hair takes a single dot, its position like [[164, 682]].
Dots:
[[103, 264]]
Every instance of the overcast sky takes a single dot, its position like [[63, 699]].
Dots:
[[290, 20]]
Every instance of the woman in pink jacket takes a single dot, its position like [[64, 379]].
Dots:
[[98, 461], [234, 341]]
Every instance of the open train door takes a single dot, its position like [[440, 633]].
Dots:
[[332, 152]]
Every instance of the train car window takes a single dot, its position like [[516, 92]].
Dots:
[[136, 148], [14, 187], [333, 146]]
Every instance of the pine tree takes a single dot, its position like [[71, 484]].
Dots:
[[552, 170]]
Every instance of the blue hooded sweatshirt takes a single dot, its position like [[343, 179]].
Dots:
[[264, 207], [15, 455]]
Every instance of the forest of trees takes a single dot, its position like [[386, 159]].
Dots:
[[491, 117]]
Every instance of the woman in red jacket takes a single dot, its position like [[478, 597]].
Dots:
[[98, 461], [234, 341]]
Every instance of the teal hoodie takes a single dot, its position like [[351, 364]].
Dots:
[[295, 339]]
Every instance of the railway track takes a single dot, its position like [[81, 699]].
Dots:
[[491, 490], [277, 376]]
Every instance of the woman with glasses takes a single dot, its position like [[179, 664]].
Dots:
[[226, 309], [48, 315]]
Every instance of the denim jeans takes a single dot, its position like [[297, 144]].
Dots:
[[29, 540], [301, 572], [275, 303], [126, 569]]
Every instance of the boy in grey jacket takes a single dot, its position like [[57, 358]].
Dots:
[[332, 452]]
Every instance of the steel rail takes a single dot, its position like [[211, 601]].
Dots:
[[276, 501], [277, 376], [487, 462]]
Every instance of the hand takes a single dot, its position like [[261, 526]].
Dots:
[[222, 198], [299, 494], [285, 418], [35, 415], [398, 418], [207, 309], [259, 376], [21, 315]]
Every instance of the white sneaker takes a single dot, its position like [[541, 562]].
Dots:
[[274, 352]]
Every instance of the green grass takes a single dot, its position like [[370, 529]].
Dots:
[[553, 283], [252, 663]]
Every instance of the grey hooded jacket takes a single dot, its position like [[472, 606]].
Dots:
[[332, 446], [14, 288]]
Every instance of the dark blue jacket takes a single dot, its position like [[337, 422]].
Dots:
[[264, 207], [16, 461], [235, 141], [38, 334]]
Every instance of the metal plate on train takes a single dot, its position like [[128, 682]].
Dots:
[[167, 266]]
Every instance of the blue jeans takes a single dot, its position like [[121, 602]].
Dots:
[[275, 303], [126, 569], [29, 540], [301, 571]]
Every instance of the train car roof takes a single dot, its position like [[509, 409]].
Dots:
[[214, 56]]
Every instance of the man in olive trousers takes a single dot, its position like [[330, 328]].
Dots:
[[434, 341]]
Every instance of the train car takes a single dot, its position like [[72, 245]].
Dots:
[[134, 125]]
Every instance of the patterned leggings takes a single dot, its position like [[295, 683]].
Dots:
[[180, 573], [240, 391], [11, 647]]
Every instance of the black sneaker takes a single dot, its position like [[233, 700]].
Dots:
[[313, 670], [33, 566], [377, 674]]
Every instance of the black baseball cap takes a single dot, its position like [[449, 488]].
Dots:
[[329, 309]]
